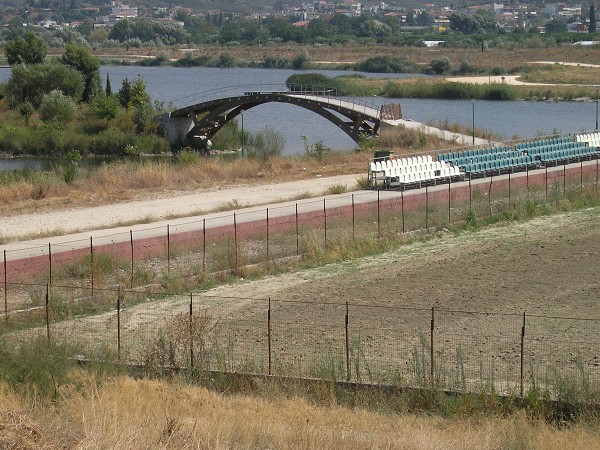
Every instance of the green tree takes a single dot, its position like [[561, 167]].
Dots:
[[124, 94], [592, 28], [57, 109], [139, 96], [30, 49], [26, 110], [105, 107], [108, 90], [230, 31], [79, 57], [31, 83], [556, 26]]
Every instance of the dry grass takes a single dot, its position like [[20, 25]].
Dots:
[[561, 74], [121, 181], [505, 57], [130, 414]]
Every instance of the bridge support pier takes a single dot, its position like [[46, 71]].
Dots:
[[176, 128]]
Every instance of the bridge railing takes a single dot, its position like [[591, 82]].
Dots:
[[324, 94]]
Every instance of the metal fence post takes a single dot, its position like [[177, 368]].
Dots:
[[527, 176], [5, 288], [431, 356], [92, 263], [509, 189], [168, 249], [490, 194], [596, 174], [269, 338], [353, 219], [325, 221], [268, 239], [470, 194], [564, 178], [119, 322], [132, 264], [402, 198], [426, 207], [235, 239], [48, 312], [49, 263], [192, 331], [204, 245], [546, 182], [522, 355], [347, 345], [297, 233], [449, 199], [581, 175], [378, 217]]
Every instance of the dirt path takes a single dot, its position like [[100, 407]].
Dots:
[[183, 204]]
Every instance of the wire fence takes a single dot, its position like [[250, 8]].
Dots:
[[417, 347], [188, 252], [102, 295]]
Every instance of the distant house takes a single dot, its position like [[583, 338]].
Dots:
[[302, 24]]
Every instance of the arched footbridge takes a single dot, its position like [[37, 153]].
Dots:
[[202, 117]]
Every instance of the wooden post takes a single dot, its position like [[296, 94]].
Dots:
[[546, 181], [426, 207], [581, 174], [268, 239], [564, 178], [509, 186], [449, 200], [204, 245], [168, 249], [269, 337]]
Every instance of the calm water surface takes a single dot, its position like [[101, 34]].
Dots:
[[506, 119]]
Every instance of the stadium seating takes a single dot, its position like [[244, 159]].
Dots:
[[413, 170]]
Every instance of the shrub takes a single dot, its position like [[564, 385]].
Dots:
[[57, 109], [267, 144], [387, 64]]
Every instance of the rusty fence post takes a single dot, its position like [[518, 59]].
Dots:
[[347, 345], [509, 190], [269, 338], [268, 258], [353, 219], [527, 176], [325, 221], [92, 263], [5, 288], [581, 174], [490, 194], [378, 216], [522, 356], [596, 174], [402, 198], [470, 194], [235, 242], [546, 182], [204, 245], [168, 249], [49, 263], [449, 200], [191, 331], [48, 312], [132, 263], [426, 207], [119, 322], [431, 355], [297, 233], [564, 178]]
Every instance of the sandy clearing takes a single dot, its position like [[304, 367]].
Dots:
[[176, 204], [504, 79]]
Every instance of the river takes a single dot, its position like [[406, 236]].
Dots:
[[506, 119]]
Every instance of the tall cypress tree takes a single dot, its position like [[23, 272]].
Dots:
[[592, 28], [108, 86]]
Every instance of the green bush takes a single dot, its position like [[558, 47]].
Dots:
[[57, 109], [266, 144], [387, 64]]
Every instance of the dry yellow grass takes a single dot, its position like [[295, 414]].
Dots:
[[135, 414], [122, 181]]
